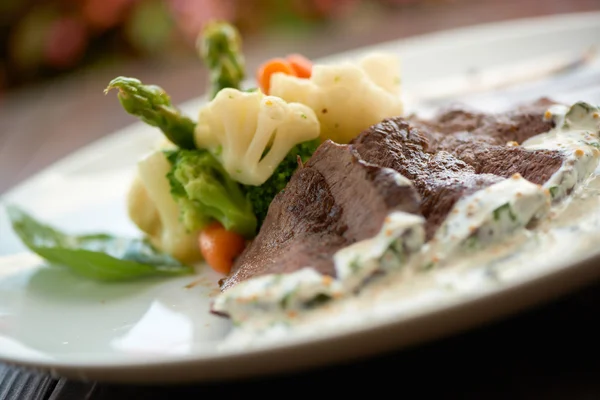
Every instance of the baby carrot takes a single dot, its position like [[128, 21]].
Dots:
[[301, 65], [263, 75], [220, 247]]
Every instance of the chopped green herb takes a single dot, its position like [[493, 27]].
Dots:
[[397, 250], [580, 108], [287, 299], [472, 242], [505, 208], [318, 300], [355, 265], [594, 144]]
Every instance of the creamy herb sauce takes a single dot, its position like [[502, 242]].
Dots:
[[483, 243]]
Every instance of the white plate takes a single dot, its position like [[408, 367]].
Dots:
[[161, 331]]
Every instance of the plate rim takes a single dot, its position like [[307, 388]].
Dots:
[[522, 294], [506, 301]]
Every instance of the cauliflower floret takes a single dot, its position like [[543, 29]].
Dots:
[[250, 133], [152, 208], [346, 97]]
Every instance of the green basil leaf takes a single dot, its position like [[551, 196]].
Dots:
[[99, 256]]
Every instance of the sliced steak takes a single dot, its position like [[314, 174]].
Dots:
[[515, 125], [480, 140], [335, 200], [343, 194], [536, 166], [485, 157], [441, 179]]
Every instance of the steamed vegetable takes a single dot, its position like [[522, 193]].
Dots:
[[265, 71], [99, 256], [220, 247], [250, 133], [206, 193], [220, 47], [154, 210], [346, 97], [227, 167], [301, 65], [293, 65], [175, 228], [141, 209], [153, 106], [261, 196]]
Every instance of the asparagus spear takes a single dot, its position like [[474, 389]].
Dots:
[[153, 106], [220, 47]]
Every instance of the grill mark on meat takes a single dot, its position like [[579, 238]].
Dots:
[[335, 200]]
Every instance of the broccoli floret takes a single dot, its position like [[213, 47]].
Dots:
[[205, 192], [261, 196]]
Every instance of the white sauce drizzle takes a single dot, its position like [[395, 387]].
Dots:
[[486, 216], [401, 235], [278, 307], [576, 133]]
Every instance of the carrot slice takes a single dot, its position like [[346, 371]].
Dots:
[[220, 247], [301, 65], [267, 69]]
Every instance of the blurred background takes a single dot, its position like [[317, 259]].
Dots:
[[58, 55]]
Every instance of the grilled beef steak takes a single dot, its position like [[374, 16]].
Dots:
[[440, 178], [344, 192], [513, 126], [481, 140], [334, 200]]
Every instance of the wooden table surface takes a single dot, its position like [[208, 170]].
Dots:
[[548, 352]]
